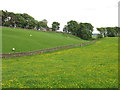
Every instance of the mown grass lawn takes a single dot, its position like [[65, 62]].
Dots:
[[30, 40], [91, 66]]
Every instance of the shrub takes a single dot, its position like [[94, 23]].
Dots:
[[99, 36]]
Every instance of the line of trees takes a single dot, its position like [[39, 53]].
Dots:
[[10, 19], [109, 31], [82, 30], [24, 20]]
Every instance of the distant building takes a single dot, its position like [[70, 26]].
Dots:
[[42, 29]]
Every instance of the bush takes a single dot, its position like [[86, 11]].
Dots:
[[99, 36]]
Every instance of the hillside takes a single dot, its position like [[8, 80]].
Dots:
[[91, 66], [30, 40]]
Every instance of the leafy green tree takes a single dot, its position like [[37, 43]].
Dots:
[[73, 27], [117, 29], [102, 31], [30, 22], [111, 32], [5, 18], [65, 29], [55, 26], [8, 18], [41, 25], [85, 31], [44, 21], [12, 19], [0, 17], [20, 21], [82, 30], [99, 36]]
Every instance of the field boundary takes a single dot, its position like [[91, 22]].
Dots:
[[10, 55]]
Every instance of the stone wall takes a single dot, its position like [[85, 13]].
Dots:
[[10, 55]]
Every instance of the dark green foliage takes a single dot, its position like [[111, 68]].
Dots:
[[117, 29], [109, 31], [82, 30], [73, 27], [99, 36], [102, 31], [41, 25], [24, 20], [55, 26], [65, 29], [0, 17], [85, 30]]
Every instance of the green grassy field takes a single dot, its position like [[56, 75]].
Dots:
[[91, 66], [23, 42]]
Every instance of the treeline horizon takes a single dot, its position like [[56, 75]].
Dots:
[[81, 30], [109, 31]]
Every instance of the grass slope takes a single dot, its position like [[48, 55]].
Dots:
[[91, 66], [22, 41]]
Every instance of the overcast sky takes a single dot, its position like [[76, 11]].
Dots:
[[100, 13]]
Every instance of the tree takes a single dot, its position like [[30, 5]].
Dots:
[[102, 31], [12, 19], [41, 25], [73, 27], [117, 29], [0, 17], [8, 18], [111, 32], [82, 30], [65, 29], [55, 26], [85, 31], [18, 20], [44, 21], [5, 18], [99, 36], [30, 22]]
